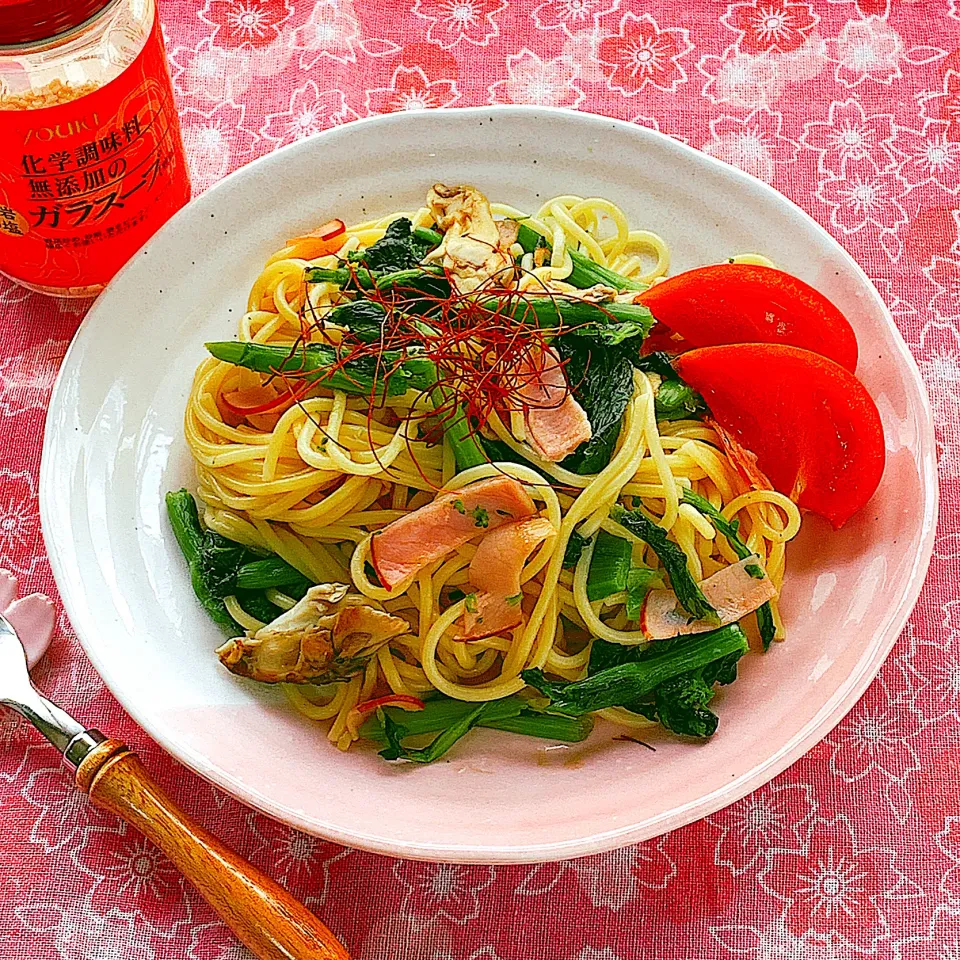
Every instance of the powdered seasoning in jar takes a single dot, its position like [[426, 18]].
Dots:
[[91, 157]]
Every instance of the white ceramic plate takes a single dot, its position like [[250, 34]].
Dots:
[[113, 446]]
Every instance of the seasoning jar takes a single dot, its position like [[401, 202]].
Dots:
[[91, 156]]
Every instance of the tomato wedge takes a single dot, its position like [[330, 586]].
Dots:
[[814, 428], [745, 303], [327, 238]]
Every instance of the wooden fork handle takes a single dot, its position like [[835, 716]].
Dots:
[[265, 918]]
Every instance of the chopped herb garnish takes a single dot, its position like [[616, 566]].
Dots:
[[481, 517], [515, 599], [459, 507], [470, 602]]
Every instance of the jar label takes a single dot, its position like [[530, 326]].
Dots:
[[85, 182]]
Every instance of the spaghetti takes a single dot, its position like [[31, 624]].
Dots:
[[315, 482]]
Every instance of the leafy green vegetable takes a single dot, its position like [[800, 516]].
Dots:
[[676, 400], [730, 529], [723, 670], [185, 522], [681, 705], [610, 323], [394, 733], [221, 568], [601, 380], [604, 654], [585, 272], [400, 248], [626, 683], [640, 580], [599, 359], [546, 726], [766, 625], [457, 431], [513, 714], [575, 546], [659, 363], [318, 362], [497, 451], [428, 279], [220, 562], [432, 238], [674, 561], [266, 572], [480, 517], [363, 317], [609, 566]]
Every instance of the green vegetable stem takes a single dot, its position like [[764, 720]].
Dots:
[[626, 683], [185, 522], [394, 374], [585, 272], [513, 714], [609, 566]]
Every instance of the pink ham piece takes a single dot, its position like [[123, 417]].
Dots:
[[32, 616], [556, 424], [495, 575], [407, 545], [732, 592]]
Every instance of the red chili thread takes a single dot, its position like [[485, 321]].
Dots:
[[486, 350]]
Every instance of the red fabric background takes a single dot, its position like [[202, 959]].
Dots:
[[852, 109]]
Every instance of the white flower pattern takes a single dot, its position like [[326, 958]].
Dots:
[[767, 818], [550, 84], [615, 880], [442, 890], [27, 379], [753, 144], [80, 934], [742, 79]]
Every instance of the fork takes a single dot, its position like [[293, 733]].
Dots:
[[264, 917]]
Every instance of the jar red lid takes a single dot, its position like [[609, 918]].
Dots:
[[31, 21]]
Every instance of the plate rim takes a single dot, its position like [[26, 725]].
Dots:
[[830, 714]]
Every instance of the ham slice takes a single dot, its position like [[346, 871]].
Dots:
[[495, 574], [732, 592], [556, 424], [407, 545]]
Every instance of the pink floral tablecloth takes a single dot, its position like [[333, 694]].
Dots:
[[852, 109]]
